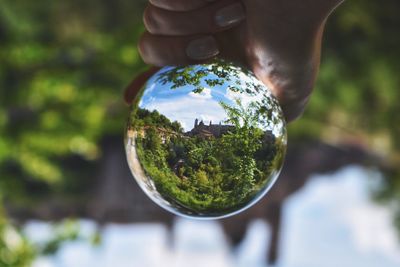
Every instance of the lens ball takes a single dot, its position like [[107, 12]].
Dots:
[[205, 141]]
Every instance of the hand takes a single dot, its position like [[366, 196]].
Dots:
[[280, 40]]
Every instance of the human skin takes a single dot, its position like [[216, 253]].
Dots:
[[279, 40]]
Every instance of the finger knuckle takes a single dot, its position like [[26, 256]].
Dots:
[[152, 20]]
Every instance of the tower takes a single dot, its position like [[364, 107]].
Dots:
[[196, 122]]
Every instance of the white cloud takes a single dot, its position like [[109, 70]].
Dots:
[[244, 97], [187, 108], [205, 94]]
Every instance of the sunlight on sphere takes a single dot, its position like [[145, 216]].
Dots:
[[205, 141]]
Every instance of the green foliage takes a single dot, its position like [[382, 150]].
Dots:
[[213, 74], [15, 249], [63, 68], [67, 230], [153, 119], [213, 174], [358, 80]]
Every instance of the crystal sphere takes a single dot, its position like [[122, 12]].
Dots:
[[205, 141]]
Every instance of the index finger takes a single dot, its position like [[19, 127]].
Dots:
[[180, 5]]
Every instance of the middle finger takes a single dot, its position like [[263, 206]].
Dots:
[[212, 18]]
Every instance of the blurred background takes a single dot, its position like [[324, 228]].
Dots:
[[67, 197]]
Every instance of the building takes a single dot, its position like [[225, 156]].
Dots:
[[210, 130]]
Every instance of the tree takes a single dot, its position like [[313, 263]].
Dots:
[[15, 249], [216, 73]]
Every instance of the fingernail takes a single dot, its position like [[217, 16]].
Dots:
[[202, 48], [230, 15]]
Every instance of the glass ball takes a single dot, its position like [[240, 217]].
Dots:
[[205, 141]]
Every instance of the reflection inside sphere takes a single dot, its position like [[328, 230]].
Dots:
[[205, 141]]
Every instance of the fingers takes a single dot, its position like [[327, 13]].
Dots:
[[180, 5], [134, 87], [180, 38], [212, 18], [165, 50]]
